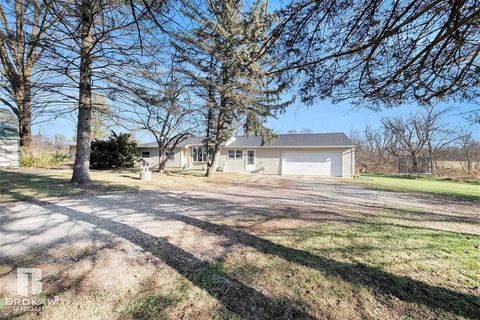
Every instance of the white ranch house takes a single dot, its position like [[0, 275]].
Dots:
[[316, 154]]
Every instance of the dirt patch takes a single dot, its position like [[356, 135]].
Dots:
[[256, 248]]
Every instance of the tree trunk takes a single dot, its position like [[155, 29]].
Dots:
[[469, 164], [212, 168], [414, 164], [81, 169], [162, 159], [25, 130], [24, 103], [208, 138]]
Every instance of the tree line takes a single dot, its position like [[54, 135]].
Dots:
[[424, 134], [210, 68]]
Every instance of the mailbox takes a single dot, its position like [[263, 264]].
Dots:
[[145, 174]]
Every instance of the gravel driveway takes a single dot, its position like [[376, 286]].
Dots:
[[188, 229], [256, 206]]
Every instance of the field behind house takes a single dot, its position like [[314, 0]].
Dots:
[[462, 189]]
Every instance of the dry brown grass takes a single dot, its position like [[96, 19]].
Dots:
[[457, 170], [111, 280], [47, 183], [247, 247]]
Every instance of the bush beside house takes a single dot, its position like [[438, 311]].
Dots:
[[117, 151]]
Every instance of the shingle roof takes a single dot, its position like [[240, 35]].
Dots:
[[8, 125], [283, 140], [296, 140], [184, 143]]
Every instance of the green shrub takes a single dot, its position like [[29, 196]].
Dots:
[[118, 151], [42, 159]]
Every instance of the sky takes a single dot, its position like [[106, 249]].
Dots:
[[328, 117], [321, 117]]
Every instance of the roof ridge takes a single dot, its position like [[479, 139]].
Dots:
[[294, 134], [286, 134]]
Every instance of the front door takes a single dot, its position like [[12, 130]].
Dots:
[[250, 161]]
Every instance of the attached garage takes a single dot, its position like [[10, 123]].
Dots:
[[313, 154], [313, 163]]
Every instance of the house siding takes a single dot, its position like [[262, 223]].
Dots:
[[269, 161], [223, 159], [234, 165], [347, 164], [9, 153], [190, 164], [154, 153]]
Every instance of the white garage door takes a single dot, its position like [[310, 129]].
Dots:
[[312, 163]]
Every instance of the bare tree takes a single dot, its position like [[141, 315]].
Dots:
[[381, 52], [23, 32], [378, 142], [159, 103], [303, 130], [419, 134], [306, 130], [373, 149], [101, 117], [468, 146]]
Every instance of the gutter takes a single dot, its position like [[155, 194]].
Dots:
[[302, 147], [264, 147]]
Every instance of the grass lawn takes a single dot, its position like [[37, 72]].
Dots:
[[259, 249], [335, 269], [21, 184], [468, 190]]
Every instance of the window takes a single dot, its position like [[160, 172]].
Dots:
[[199, 154], [145, 154], [235, 154], [250, 157], [170, 155], [195, 154]]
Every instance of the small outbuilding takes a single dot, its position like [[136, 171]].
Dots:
[[9, 140]]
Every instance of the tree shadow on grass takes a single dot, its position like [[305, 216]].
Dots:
[[238, 298], [404, 288], [379, 281], [27, 185]]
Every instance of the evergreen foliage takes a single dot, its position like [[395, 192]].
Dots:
[[118, 151], [221, 59]]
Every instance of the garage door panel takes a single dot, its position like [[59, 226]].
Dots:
[[312, 163]]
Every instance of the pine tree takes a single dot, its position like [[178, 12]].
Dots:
[[222, 60], [96, 43]]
